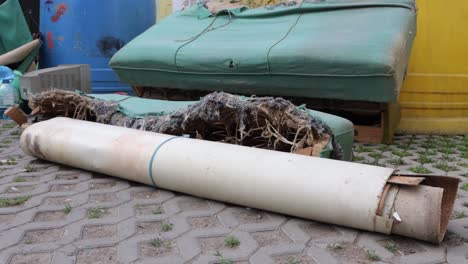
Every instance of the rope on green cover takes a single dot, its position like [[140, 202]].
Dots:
[[154, 155]]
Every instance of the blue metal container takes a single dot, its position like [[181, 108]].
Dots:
[[90, 32]]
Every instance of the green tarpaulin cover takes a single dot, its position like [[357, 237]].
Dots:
[[135, 107], [337, 49]]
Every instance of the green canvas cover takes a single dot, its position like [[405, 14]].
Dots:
[[336, 49], [135, 107], [14, 31]]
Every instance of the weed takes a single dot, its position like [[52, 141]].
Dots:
[[444, 166], [376, 155], [465, 165], [464, 187], [6, 141], [448, 158], [404, 147], [16, 132], [463, 148], [464, 155], [362, 148], [231, 241], [222, 260], [458, 214], [446, 150], [293, 261], [156, 242], [428, 152], [9, 125], [157, 211], [67, 209], [384, 148], [424, 159], [465, 175], [400, 153], [166, 226], [397, 161], [19, 179], [9, 161], [429, 144], [420, 170], [28, 242], [95, 213], [30, 168], [372, 256], [357, 158], [10, 202], [335, 246], [391, 246]]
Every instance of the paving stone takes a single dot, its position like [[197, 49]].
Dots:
[[41, 230]]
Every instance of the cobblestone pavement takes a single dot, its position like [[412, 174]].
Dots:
[[56, 214]]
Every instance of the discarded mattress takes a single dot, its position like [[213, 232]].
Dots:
[[135, 107], [342, 193], [336, 49]]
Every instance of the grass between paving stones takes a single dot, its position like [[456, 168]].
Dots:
[[420, 170], [384, 148], [293, 261], [374, 163], [427, 152], [357, 158], [463, 148], [362, 148], [19, 179], [156, 242], [222, 259], [465, 175], [464, 155], [465, 165], [447, 151], [7, 141], [15, 132], [458, 215], [391, 246], [67, 209], [10, 202], [95, 213], [397, 161], [448, 158], [231, 242], [400, 153], [464, 187], [404, 147], [30, 168], [335, 246], [9, 125], [10, 161], [166, 226], [424, 159], [376, 155], [372, 256], [157, 211], [444, 166]]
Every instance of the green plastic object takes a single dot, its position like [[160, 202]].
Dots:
[[335, 49], [135, 107], [14, 31]]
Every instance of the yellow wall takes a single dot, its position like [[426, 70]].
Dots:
[[434, 97]]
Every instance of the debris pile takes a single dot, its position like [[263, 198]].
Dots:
[[261, 122]]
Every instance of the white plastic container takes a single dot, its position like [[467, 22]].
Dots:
[[8, 96]]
